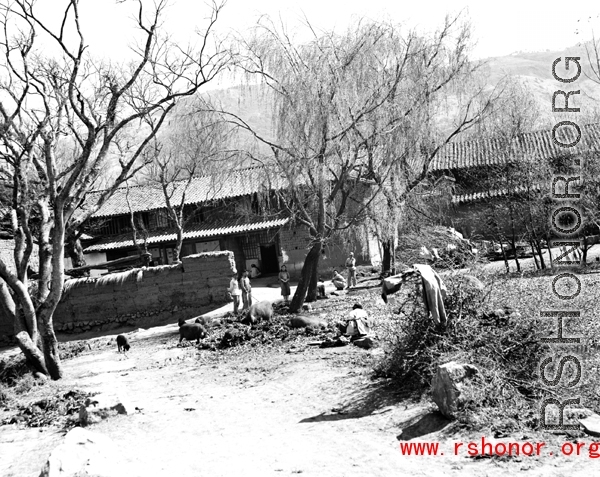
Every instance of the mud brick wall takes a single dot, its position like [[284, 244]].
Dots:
[[144, 297], [294, 247]]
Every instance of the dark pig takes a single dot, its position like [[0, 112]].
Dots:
[[122, 343], [192, 331]]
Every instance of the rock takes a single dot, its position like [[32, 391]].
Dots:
[[40, 376], [365, 342], [591, 425], [307, 307], [98, 407], [84, 453], [447, 384], [472, 283]]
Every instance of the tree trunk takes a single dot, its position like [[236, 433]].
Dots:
[[386, 265], [538, 247], [548, 246], [51, 353], [31, 352], [178, 244], [514, 246], [312, 292], [506, 264], [533, 251], [310, 262], [75, 251]]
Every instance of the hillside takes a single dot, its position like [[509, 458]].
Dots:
[[534, 69]]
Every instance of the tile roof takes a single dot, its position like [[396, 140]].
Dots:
[[488, 194], [229, 184], [199, 231], [538, 144]]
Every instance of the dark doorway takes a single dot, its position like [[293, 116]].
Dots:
[[268, 256]]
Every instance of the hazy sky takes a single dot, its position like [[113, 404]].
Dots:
[[500, 28]]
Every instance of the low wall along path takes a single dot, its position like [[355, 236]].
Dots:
[[143, 296]]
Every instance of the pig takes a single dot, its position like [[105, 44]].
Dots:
[[304, 321], [261, 311], [123, 343], [192, 331]]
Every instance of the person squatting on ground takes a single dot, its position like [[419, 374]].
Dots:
[[246, 290], [351, 267], [357, 324], [235, 293], [254, 271], [321, 288], [284, 279], [338, 280]]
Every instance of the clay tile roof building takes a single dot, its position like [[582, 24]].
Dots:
[[145, 198], [538, 144]]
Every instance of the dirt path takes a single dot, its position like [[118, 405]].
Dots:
[[282, 409], [310, 411]]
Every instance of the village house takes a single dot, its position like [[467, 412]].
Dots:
[[237, 212], [474, 167]]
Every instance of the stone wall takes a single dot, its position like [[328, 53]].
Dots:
[[143, 297]]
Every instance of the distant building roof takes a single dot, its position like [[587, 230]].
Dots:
[[538, 144], [492, 193], [202, 231], [229, 184]]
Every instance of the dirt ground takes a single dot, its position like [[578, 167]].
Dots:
[[277, 410]]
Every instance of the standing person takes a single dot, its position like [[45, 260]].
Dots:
[[284, 279], [351, 267], [235, 293], [246, 289]]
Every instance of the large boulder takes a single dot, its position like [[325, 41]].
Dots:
[[447, 386], [84, 453]]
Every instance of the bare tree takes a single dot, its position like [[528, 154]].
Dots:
[[106, 114], [195, 144], [354, 114]]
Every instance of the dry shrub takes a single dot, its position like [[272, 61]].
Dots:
[[503, 345], [408, 251]]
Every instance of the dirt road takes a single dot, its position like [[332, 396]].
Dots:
[[282, 410]]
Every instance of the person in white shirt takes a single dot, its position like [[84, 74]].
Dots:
[[254, 271], [351, 267], [246, 290], [235, 293], [357, 324]]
